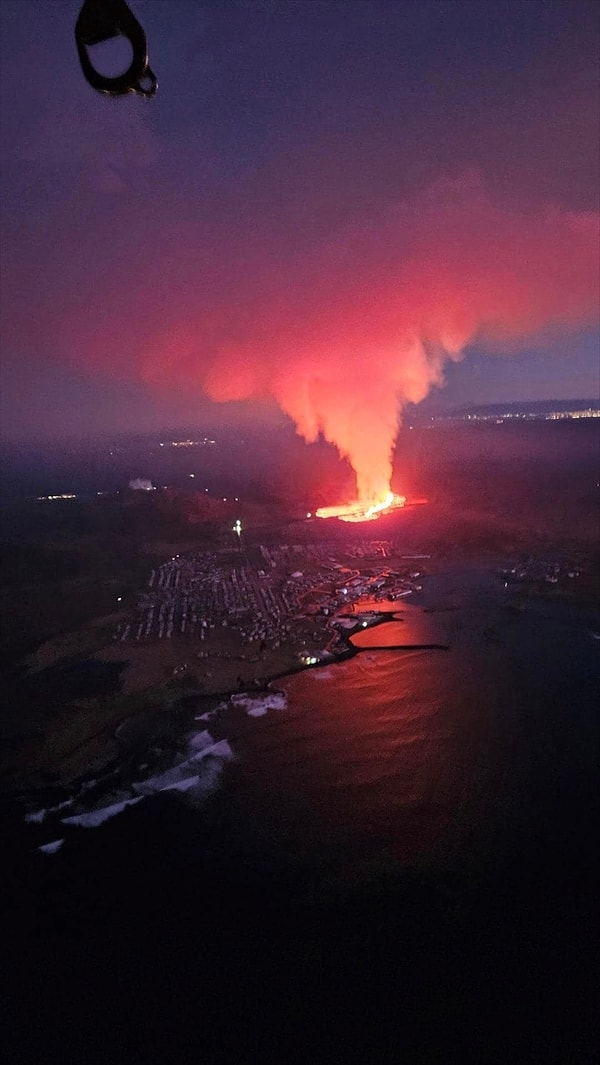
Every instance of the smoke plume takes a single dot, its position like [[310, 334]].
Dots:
[[369, 325], [345, 335]]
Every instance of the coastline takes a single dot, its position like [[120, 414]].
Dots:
[[86, 747], [262, 857], [104, 735]]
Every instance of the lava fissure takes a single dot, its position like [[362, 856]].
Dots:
[[358, 511]]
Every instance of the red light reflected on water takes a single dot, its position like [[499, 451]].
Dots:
[[380, 751]]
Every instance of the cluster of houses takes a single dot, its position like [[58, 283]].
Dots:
[[542, 571], [260, 599], [190, 596]]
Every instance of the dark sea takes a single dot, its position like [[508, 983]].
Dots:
[[399, 865]]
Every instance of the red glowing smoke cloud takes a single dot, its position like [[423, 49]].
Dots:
[[345, 336], [387, 304]]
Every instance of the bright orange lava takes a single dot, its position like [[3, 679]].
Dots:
[[359, 512]]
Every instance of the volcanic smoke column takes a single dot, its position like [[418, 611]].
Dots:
[[357, 417], [355, 402], [345, 334], [366, 324]]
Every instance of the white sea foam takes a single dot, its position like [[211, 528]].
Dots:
[[210, 714], [220, 750], [40, 816], [51, 848], [201, 740], [209, 776], [205, 780], [197, 771], [179, 777], [36, 818], [161, 781], [259, 705], [183, 785], [93, 818]]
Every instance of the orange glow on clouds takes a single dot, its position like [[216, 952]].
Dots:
[[345, 335], [390, 302]]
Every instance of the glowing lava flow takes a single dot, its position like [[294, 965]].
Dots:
[[358, 512]]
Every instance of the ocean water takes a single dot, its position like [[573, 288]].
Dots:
[[395, 860], [411, 752]]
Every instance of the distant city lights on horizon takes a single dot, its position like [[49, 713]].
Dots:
[[61, 495], [205, 442], [523, 416]]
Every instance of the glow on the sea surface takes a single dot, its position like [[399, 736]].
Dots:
[[359, 512]]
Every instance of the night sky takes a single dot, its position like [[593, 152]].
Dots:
[[314, 182]]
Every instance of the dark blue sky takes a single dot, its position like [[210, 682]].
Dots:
[[143, 241]]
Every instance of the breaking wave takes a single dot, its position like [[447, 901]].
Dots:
[[259, 705], [195, 773]]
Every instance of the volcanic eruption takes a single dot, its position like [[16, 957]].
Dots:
[[344, 333], [365, 325], [359, 512]]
